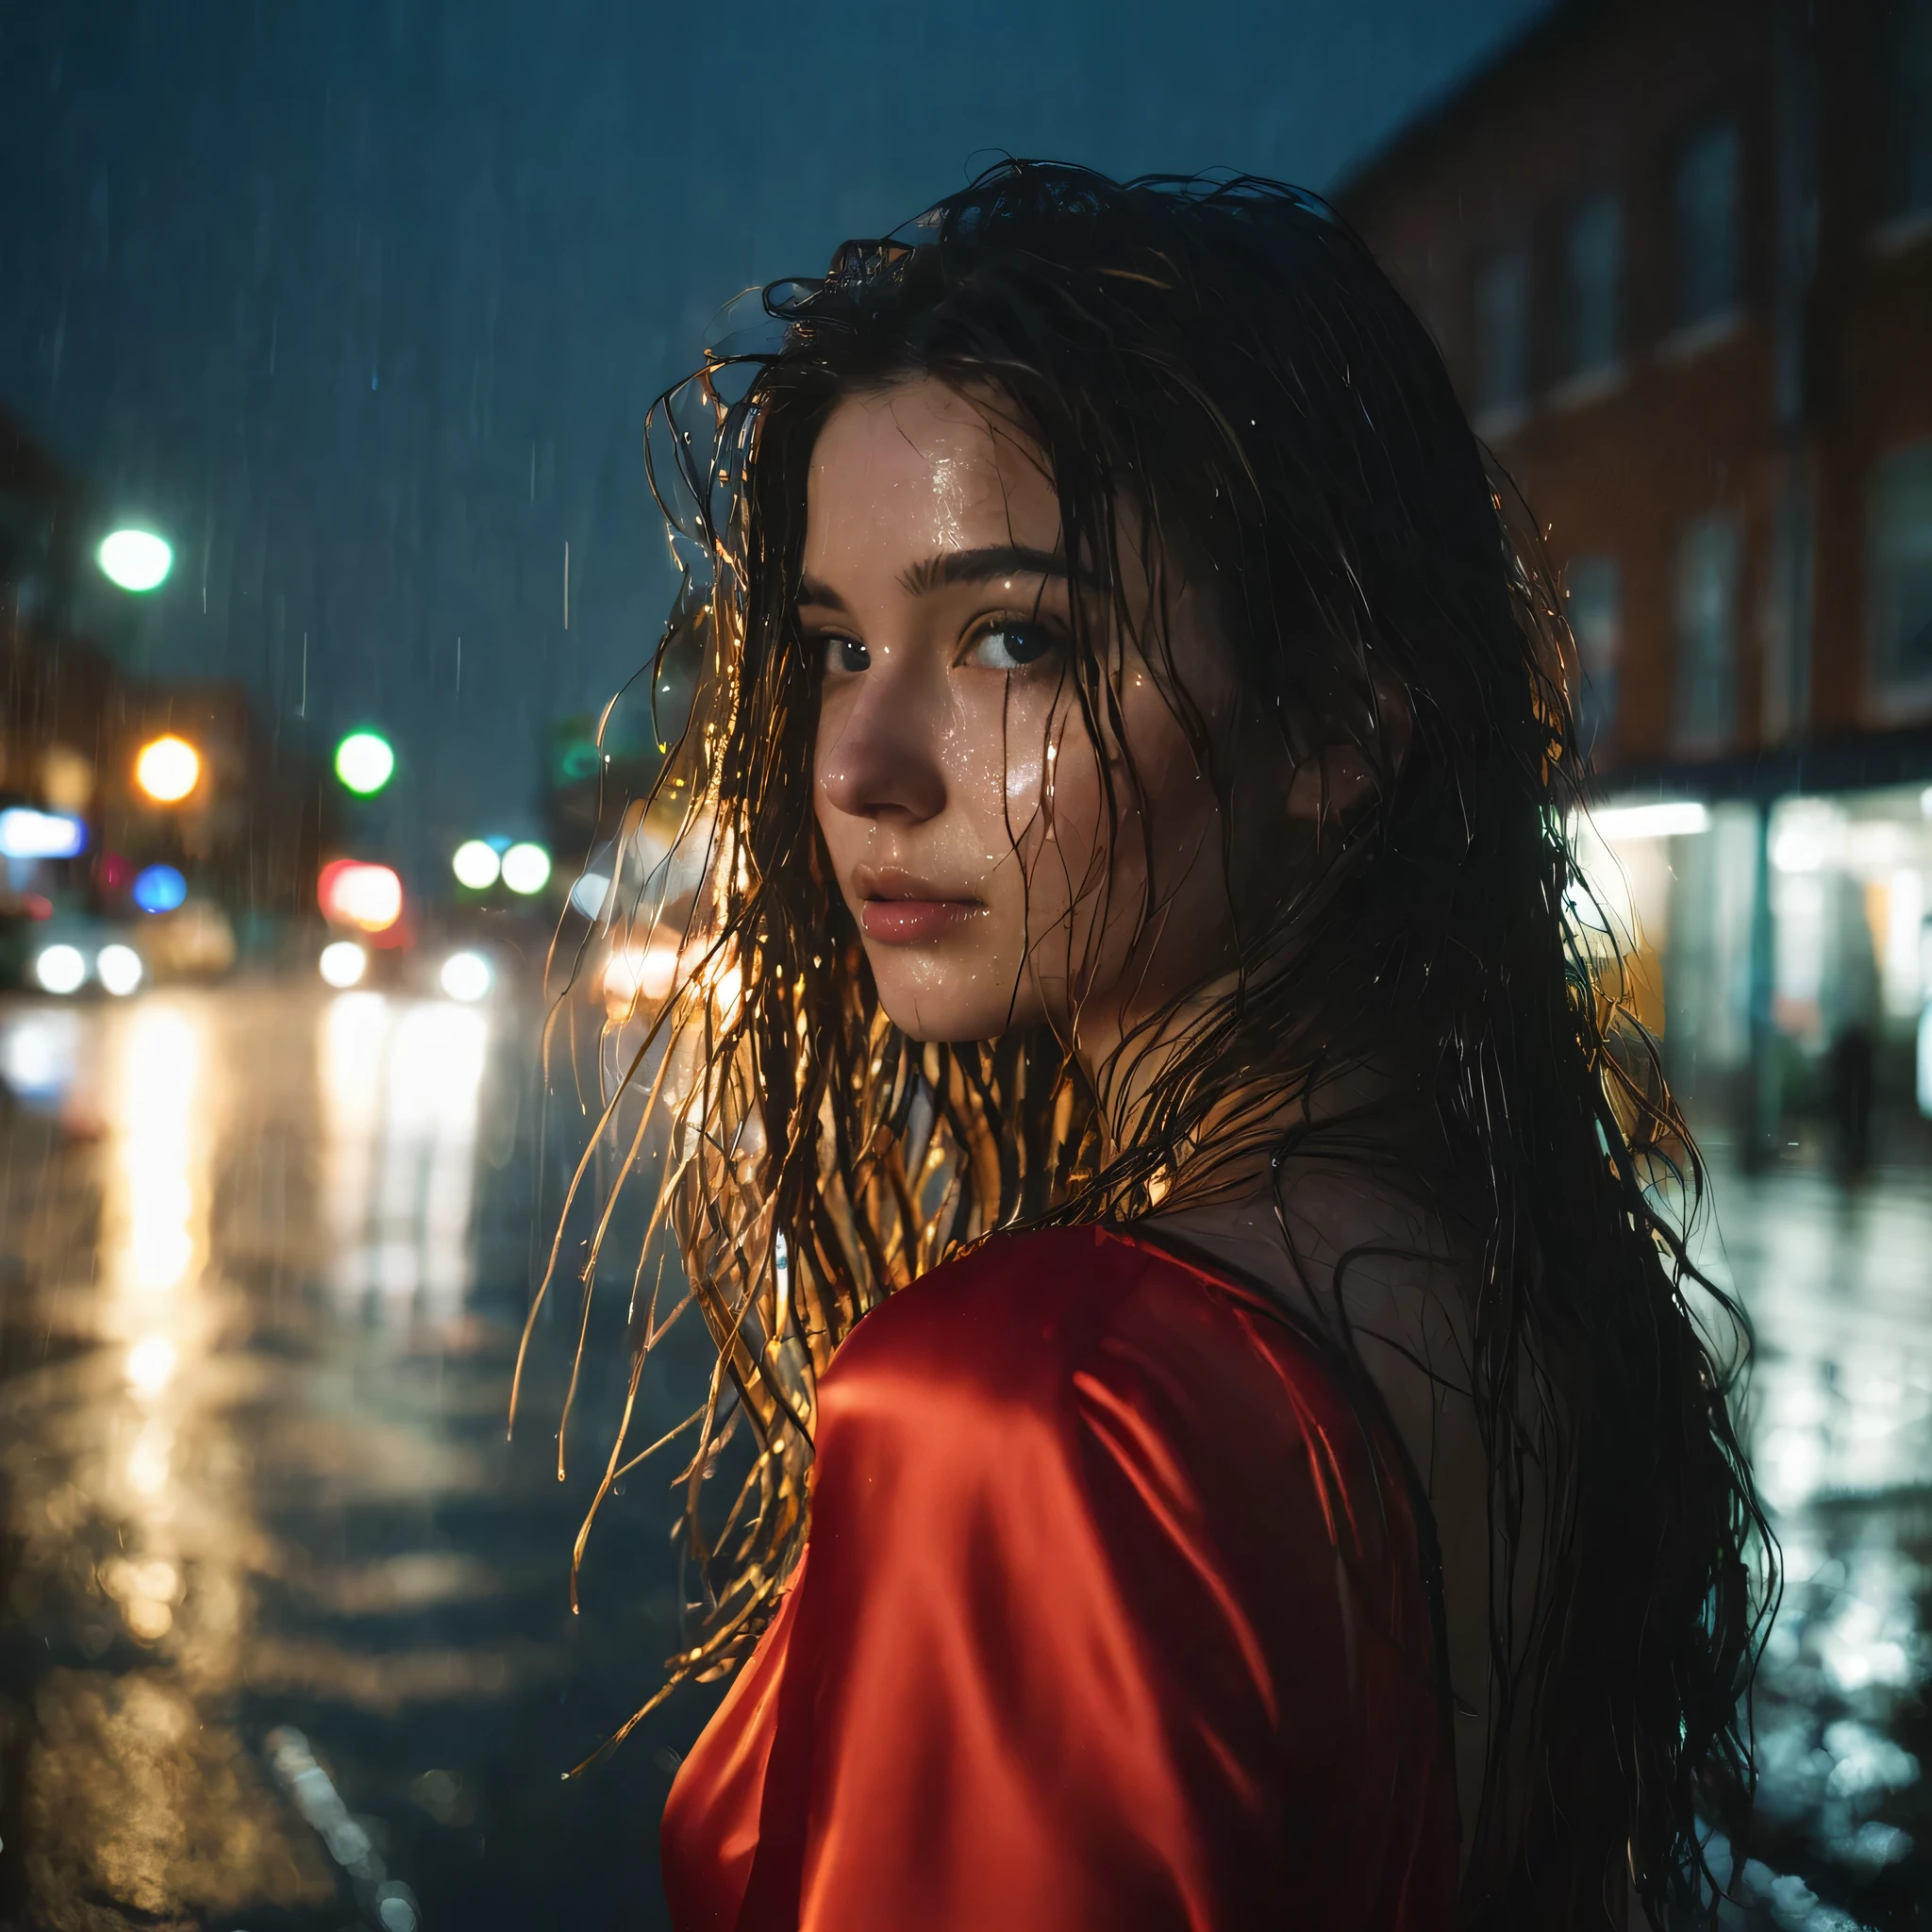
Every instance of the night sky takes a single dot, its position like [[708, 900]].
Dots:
[[363, 304]]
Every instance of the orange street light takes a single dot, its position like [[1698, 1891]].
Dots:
[[168, 769]]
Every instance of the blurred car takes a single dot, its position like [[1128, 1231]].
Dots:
[[68, 953]]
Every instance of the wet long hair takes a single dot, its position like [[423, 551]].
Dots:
[[1215, 371]]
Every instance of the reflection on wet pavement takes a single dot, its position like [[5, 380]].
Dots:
[[283, 1618], [1839, 1284], [284, 1628]]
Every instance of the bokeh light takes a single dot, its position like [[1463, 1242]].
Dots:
[[60, 968], [466, 977], [475, 865], [353, 893], [589, 893], [527, 868], [39, 1051], [364, 762], [344, 963], [25, 833], [168, 769], [151, 1363], [635, 975], [67, 780], [118, 969], [159, 889], [135, 559]]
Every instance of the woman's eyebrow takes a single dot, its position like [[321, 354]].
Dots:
[[985, 565], [811, 591], [982, 566]]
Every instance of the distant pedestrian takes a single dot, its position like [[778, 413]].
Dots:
[[1851, 1077]]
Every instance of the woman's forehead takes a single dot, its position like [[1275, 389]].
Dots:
[[919, 469]]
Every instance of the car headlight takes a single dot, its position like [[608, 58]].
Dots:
[[466, 975], [344, 963], [60, 968], [118, 969]]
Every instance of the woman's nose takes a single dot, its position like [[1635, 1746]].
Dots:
[[878, 758]]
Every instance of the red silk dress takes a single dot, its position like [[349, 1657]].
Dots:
[[1108, 1622]]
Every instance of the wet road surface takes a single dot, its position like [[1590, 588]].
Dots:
[[284, 1620], [1838, 1285], [284, 1626]]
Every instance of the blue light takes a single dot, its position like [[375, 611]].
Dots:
[[159, 889], [25, 833]]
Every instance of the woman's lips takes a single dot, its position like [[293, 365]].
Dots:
[[907, 922]]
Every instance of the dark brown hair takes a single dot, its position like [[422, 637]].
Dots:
[[1218, 368]]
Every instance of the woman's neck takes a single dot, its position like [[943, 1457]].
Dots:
[[1225, 1152]]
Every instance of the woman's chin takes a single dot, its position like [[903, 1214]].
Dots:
[[926, 1013]]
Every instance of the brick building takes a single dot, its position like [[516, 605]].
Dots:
[[1678, 257]]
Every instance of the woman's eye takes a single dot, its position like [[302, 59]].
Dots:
[[845, 653], [1011, 646]]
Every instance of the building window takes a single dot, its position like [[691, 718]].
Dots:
[[1502, 334], [1709, 567], [1906, 77], [1707, 172], [1595, 591], [1592, 277], [1900, 579]]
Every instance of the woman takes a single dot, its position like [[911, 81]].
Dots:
[[1229, 1447]]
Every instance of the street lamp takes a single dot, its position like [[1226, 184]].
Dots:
[[135, 559], [168, 769], [364, 762]]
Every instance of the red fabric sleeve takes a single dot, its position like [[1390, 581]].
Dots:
[[1105, 1623]]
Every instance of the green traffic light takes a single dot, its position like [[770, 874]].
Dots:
[[135, 559], [364, 762]]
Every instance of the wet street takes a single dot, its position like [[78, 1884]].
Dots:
[[1838, 1285], [284, 1620]]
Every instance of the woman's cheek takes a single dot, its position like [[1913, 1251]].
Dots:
[[1024, 781]]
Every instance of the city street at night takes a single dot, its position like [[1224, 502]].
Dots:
[[287, 1619], [662, 671]]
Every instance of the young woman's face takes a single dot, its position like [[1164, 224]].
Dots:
[[958, 791]]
